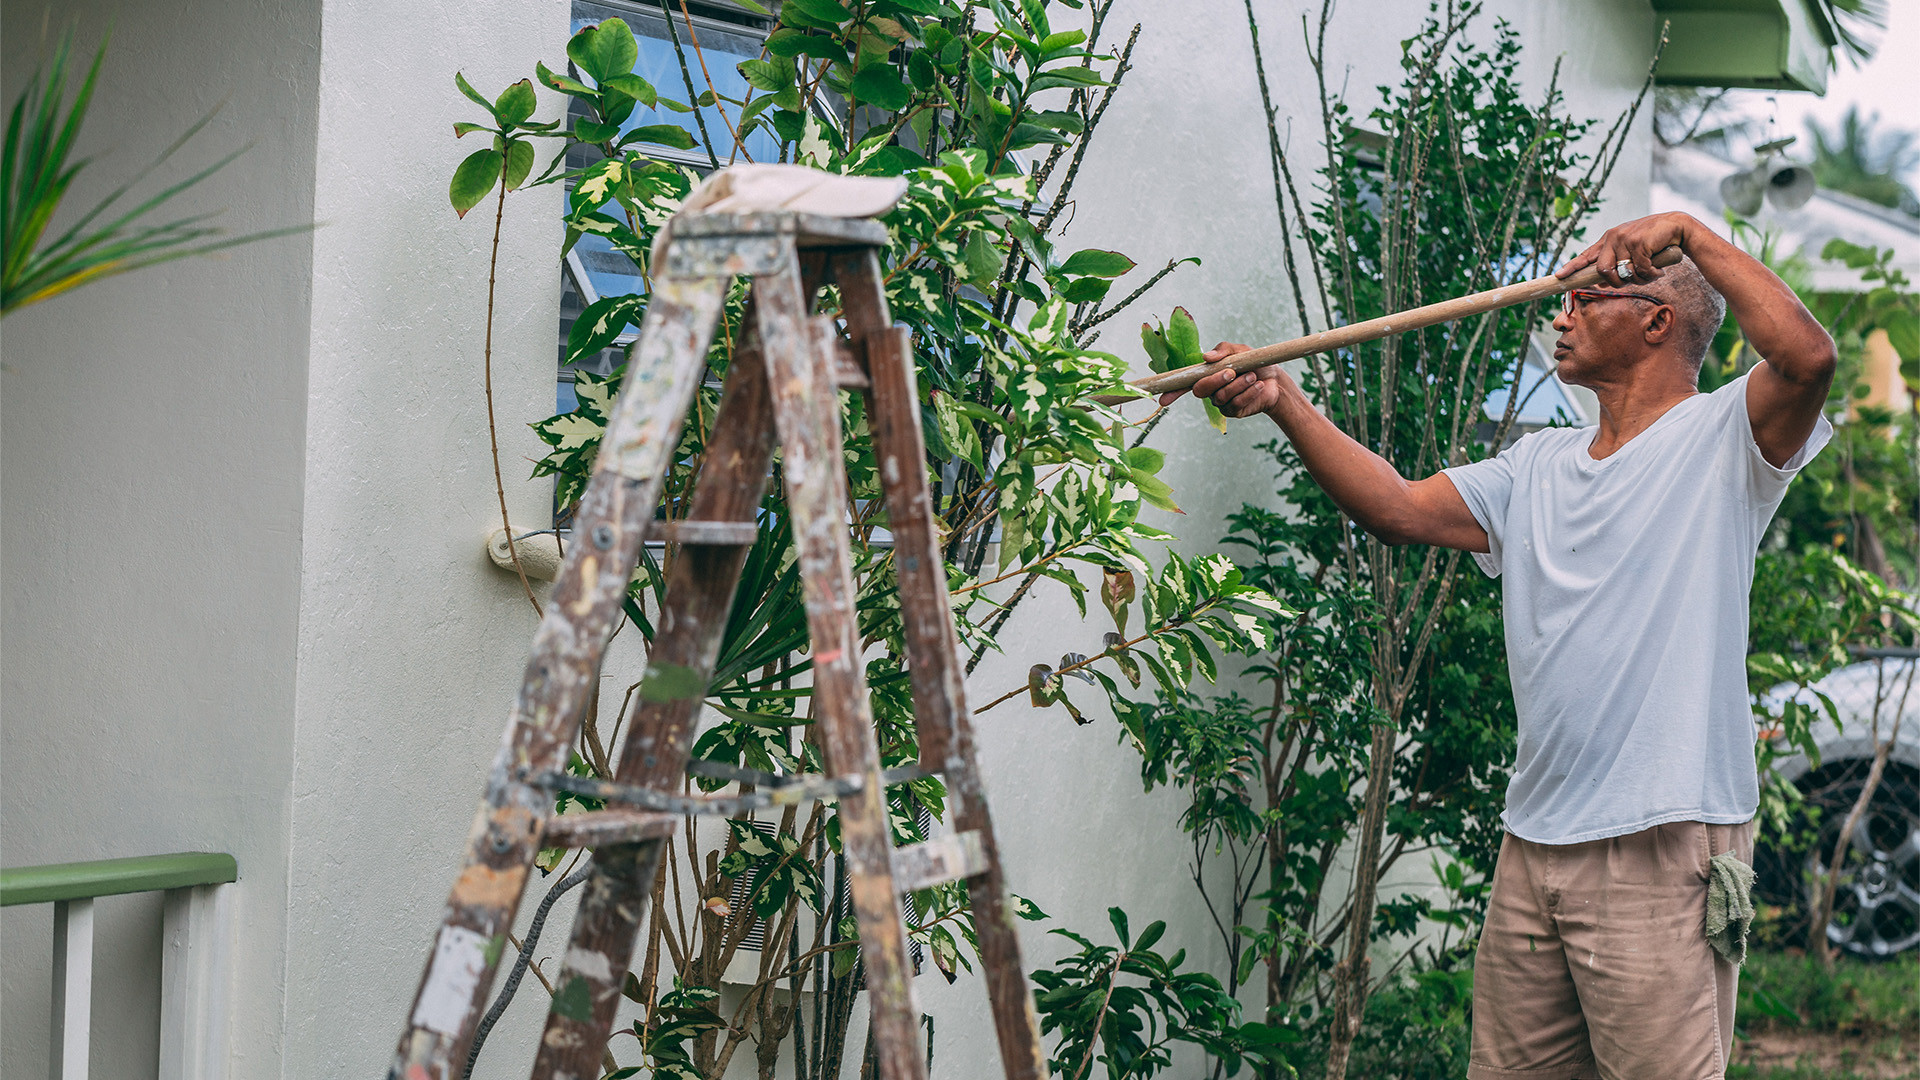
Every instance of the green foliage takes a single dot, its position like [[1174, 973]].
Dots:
[[36, 169], [1127, 1007], [1417, 1028], [1861, 161], [682, 1015], [1024, 465], [1387, 669]]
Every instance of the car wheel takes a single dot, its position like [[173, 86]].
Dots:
[[1876, 910]]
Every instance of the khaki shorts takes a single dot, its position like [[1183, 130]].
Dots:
[[1594, 962]]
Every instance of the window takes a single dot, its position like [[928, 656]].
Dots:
[[727, 36]]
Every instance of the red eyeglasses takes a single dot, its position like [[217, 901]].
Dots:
[[1574, 302]]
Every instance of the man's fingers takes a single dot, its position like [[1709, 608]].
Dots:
[[1211, 384]]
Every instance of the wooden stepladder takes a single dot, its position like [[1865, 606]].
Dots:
[[784, 381]]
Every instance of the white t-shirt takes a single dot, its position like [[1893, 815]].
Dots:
[[1626, 611]]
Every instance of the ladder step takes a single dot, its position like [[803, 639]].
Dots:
[[713, 533], [954, 857], [808, 788], [596, 827]]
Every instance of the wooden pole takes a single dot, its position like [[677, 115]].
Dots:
[[1341, 337]]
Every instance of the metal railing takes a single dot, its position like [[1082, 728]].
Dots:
[[196, 940]]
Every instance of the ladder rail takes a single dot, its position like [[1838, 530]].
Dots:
[[784, 383], [939, 690], [807, 412], [700, 588]]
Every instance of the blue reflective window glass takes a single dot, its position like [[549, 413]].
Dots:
[[724, 49]]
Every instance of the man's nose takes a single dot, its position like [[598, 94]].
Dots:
[[1561, 322]]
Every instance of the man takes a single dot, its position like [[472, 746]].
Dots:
[[1627, 552]]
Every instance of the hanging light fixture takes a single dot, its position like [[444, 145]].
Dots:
[[1772, 178]]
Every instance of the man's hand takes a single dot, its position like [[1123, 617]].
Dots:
[[1234, 394], [1636, 242]]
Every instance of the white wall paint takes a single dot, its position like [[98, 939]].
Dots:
[[153, 431], [411, 642]]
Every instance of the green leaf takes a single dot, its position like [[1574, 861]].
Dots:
[[1214, 416], [1154, 931], [1183, 338], [1086, 290], [1903, 332], [604, 51], [754, 6], [589, 132], [460, 128], [880, 85], [663, 134], [1095, 262], [474, 179], [1155, 346], [575, 1000], [1119, 920], [518, 164], [1064, 76], [1156, 493], [671, 682], [766, 75], [634, 87], [516, 103], [466, 88], [984, 259], [562, 83], [830, 12], [788, 43]]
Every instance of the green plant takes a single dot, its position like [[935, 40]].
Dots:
[[963, 105], [1857, 159], [1389, 726], [36, 169], [1126, 1007]]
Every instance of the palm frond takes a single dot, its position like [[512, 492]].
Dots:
[[36, 171], [1857, 24]]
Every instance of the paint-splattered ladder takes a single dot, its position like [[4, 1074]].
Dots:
[[783, 381]]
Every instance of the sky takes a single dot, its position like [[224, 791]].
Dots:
[[1889, 84]]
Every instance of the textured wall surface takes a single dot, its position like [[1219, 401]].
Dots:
[[411, 642], [154, 428]]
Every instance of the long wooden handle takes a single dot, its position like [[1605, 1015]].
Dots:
[[1341, 337]]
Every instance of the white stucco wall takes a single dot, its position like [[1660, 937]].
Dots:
[[280, 613], [411, 642], [153, 433]]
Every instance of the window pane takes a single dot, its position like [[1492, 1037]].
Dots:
[[724, 50]]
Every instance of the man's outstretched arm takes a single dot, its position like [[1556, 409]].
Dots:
[[1786, 393], [1364, 484]]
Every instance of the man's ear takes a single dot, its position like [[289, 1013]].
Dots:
[[1660, 325]]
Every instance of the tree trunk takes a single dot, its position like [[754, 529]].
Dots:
[[1350, 976]]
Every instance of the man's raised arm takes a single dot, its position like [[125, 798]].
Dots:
[[1364, 484], [1786, 393]]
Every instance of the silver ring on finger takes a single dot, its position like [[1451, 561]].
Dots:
[[1623, 270]]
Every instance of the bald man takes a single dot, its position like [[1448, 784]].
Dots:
[[1626, 555]]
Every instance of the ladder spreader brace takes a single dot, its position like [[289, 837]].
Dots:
[[784, 382]]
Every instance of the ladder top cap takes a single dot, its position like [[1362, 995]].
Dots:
[[808, 230]]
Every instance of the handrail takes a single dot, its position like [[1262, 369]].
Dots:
[[111, 877]]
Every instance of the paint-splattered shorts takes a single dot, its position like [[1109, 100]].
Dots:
[[1594, 962]]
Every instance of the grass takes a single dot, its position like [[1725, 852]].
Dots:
[[1798, 1021]]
